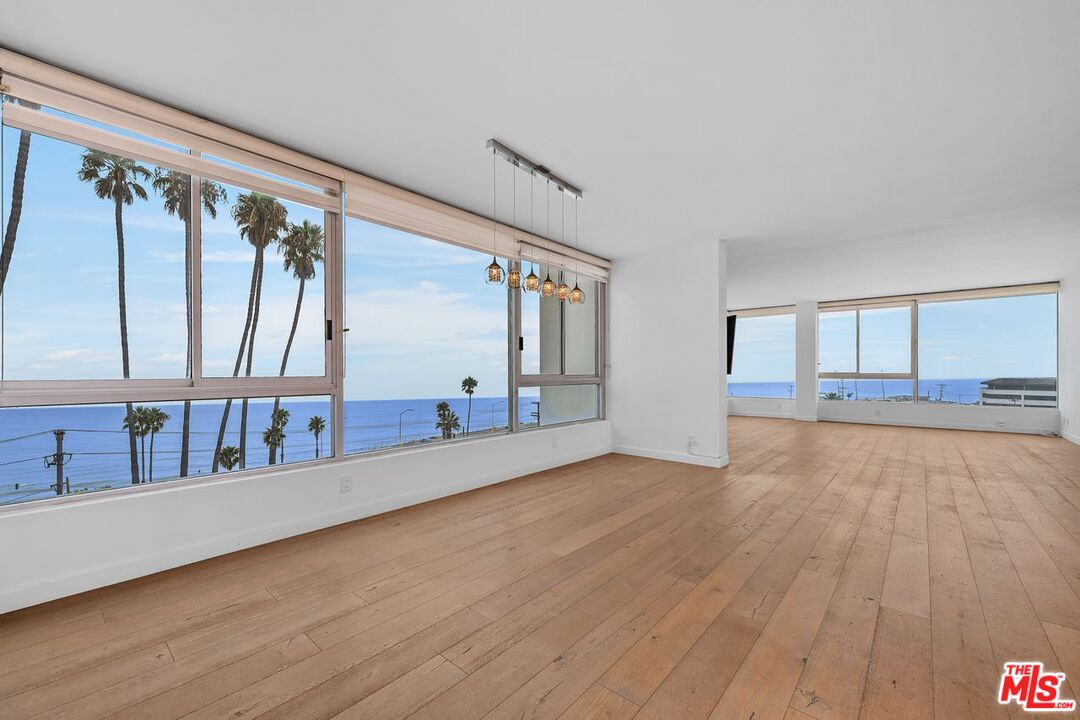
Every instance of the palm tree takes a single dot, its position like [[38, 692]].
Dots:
[[155, 421], [229, 456], [261, 220], [468, 386], [117, 179], [447, 421], [316, 426], [175, 190], [137, 423], [272, 437], [18, 188], [279, 418], [302, 247]]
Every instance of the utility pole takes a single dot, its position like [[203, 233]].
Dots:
[[58, 461]]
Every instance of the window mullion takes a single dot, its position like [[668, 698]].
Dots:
[[196, 346], [858, 342]]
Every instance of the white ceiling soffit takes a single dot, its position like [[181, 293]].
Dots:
[[786, 122]]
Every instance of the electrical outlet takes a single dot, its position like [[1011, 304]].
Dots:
[[691, 443], [346, 484]]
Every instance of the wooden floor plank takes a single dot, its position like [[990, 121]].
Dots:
[[830, 571]]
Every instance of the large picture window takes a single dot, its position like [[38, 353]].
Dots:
[[179, 300], [987, 347], [763, 360], [992, 351]]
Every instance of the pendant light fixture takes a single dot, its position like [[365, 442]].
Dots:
[[577, 295], [547, 288], [562, 293], [513, 275], [532, 280], [494, 273]]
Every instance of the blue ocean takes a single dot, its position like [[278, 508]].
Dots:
[[962, 391], [96, 446]]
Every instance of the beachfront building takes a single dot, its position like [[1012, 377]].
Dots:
[[1022, 392]]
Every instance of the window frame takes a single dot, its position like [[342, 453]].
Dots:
[[17, 393], [914, 301], [94, 115], [858, 374], [540, 380]]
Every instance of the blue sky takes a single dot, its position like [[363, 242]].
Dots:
[[1013, 336], [420, 316]]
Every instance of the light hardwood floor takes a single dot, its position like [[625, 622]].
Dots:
[[832, 571]]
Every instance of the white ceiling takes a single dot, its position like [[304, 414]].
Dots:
[[776, 123]]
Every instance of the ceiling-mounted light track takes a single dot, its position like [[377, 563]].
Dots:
[[515, 158]]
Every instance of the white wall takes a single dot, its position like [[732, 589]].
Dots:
[[668, 343], [109, 537], [761, 407], [990, 250], [1069, 356]]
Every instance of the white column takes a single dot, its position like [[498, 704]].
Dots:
[[667, 396], [806, 361]]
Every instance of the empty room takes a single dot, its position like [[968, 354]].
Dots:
[[507, 360]]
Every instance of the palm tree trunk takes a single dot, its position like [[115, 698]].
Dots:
[[121, 284], [185, 440], [255, 278], [142, 449], [250, 355], [285, 356], [18, 186], [316, 445], [468, 416], [152, 456], [185, 435]]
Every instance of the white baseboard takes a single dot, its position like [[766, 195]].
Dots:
[[937, 425], [109, 573], [807, 418], [1071, 437], [757, 413], [706, 460]]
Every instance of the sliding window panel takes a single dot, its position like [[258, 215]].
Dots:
[[580, 329], [92, 444], [557, 404], [94, 264], [837, 341], [426, 352], [996, 351], [541, 329], [263, 284]]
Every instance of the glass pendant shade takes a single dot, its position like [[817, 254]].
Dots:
[[547, 288], [577, 295], [532, 282], [513, 278], [562, 292], [494, 272]]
